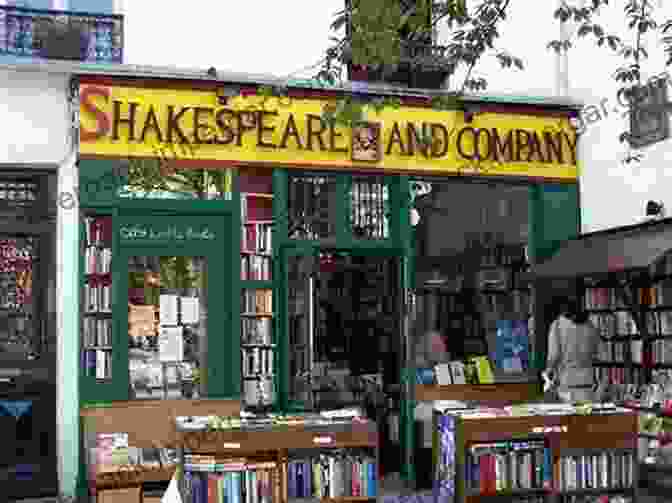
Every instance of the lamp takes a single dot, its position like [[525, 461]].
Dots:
[[654, 209]]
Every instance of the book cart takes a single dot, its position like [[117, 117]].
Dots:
[[535, 458], [280, 463]]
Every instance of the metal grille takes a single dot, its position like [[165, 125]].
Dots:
[[369, 208], [312, 209], [17, 193], [61, 35], [18, 334]]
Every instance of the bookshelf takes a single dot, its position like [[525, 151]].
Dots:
[[634, 316], [258, 348], [340, 461], [533, 458], [96, 329]]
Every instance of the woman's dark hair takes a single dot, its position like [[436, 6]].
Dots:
[[572, 308]]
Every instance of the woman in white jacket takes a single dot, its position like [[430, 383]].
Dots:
[[573, 343]]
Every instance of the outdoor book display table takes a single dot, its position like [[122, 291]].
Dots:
[[536, 454], [274, 463]]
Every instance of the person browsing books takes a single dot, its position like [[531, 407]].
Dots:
[[572, 346]]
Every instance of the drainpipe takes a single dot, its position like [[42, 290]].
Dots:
[[67, 322]]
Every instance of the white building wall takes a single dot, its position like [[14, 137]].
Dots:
[[36, 133]]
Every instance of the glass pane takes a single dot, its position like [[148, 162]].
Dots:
[[97, 298], [20, 336], [167, 326], [471, 242], [343, 334], [312, 207], [159, 179], [369, 208]]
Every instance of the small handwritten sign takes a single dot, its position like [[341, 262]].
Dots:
[[322, 440], [171, 233], [229, 445]]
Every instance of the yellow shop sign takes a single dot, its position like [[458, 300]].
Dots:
[[280, 131]]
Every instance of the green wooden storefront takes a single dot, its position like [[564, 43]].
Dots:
[[554, 217]]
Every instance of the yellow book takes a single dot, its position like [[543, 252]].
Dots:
[[484, 370]]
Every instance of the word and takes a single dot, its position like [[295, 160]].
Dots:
[[138, 232]]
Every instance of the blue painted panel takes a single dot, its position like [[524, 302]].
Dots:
[[92, 6]]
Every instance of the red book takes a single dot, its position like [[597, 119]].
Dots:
[[212, 488]]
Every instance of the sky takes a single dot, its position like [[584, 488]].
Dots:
[[260, 37], [283, 38]]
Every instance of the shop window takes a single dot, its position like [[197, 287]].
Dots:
[[167, 316], [160, 179], [471, 259], [312, 206], [369, 208]]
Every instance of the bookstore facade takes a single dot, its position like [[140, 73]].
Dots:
[[236, 247]]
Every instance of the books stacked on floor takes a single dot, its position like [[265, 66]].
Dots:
[[211, 479], [509, 466], [607, 470], [332, 475]]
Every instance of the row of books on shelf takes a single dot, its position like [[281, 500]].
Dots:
[[97, 260], [257, 301], [607, 470], [508, 466], [613, 351], [616, 351], [597, 498], [98, 230], [329, 475], [619, 375], [97, 363], [96, 331], [621, 323], [256, 268], [520, 466], [238, 483], [98, 298], [332, 476], [256, 331], [256, 237], [476, 370], [616, 323], [657, 295], [257, 361]]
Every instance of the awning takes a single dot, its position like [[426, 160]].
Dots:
[[627, 248]]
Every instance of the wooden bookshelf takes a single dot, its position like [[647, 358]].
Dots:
[[486, 394], [277, 444], [149, 424], [562, 435]]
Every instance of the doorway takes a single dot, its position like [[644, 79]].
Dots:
[[27, 337], [344, 338]]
